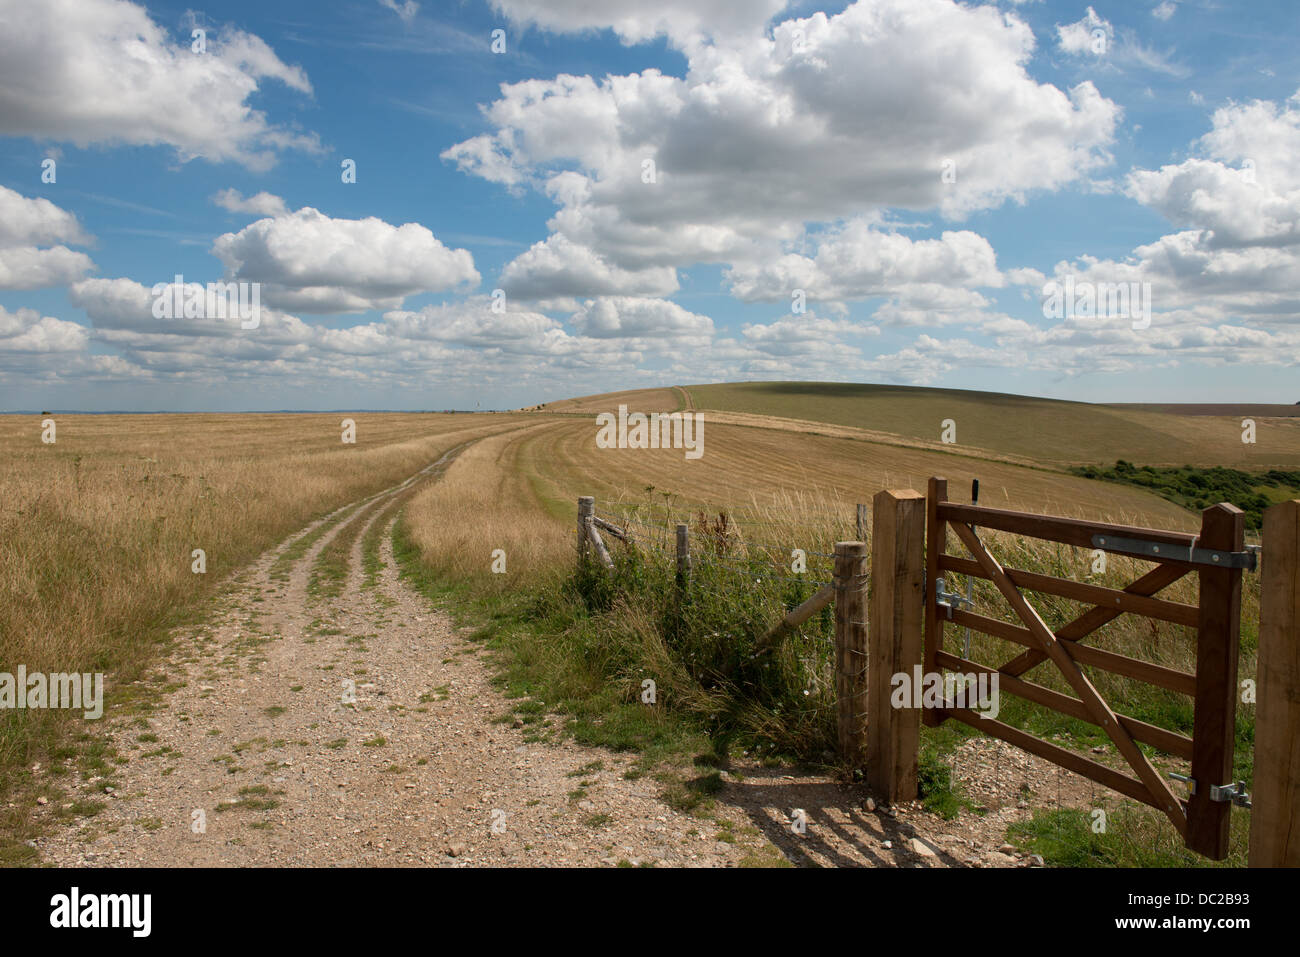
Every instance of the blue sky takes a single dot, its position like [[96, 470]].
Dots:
[[916, 172]]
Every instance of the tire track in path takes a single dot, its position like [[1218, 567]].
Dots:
[[301, 729]]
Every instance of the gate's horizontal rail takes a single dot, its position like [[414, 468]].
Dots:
[[1067, 531], [1118, 664], [1085, 767], [1171, 611], [1167, 741], [1159, 577]]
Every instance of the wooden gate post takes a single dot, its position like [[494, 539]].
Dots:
[[1275, 812], [897, 618], [851, 651], [586, 511], [1214, 732]]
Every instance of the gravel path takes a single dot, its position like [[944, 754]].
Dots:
[[297, 729]]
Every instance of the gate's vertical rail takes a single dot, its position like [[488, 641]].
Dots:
[[936, 542], [1213, 726]]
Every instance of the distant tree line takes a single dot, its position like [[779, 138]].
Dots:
[[1199, 488]]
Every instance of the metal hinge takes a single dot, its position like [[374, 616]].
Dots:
[[1220, 558]]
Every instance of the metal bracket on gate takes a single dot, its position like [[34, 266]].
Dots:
[[1227, 793], [1234, 793], [949, 599], [1247, 559]]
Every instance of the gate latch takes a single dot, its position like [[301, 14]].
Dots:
[[1235, 793], [950, 599]]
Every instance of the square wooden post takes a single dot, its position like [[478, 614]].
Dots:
[[851, 651], [1214, 733], [1275, 797], [896, 646]]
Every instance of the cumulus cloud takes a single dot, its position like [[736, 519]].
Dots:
[[1090, 35], [27, 224], [625, 316], [557, 267], [310, 262], [27, 331], [262, 204], [858, 261], [828, 117], [103, 72]]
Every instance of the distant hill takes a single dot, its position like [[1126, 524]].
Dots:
[[1049, 431]]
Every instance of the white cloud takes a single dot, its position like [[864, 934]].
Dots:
[[625, 316], [103, 72], [262, 204], [309, 262], [1090, 35], [684, 21], [36, 221], [558, 267], [26, 224], [828, 118], [1164, 10], [27, 331], [1094, 37], [859, 262], [406, 10]]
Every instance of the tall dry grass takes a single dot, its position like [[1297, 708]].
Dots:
[[485, 502], [97, 530]]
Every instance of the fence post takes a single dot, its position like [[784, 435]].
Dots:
[[851, 651], [683, 555], [1275, 814], [1223, 527], [862, 523], [586, 510], [897, 618]]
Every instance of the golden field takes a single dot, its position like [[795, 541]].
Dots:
[[97, 530]]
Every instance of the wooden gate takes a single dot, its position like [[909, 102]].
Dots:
[[1217, 556]]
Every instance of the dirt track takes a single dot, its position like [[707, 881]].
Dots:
[[254, 732]]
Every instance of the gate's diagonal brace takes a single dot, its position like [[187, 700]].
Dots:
[[1096, 705], [1160, 577]]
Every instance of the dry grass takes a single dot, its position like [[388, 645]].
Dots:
[[486, 502], [97, 530], [1042, 430]]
